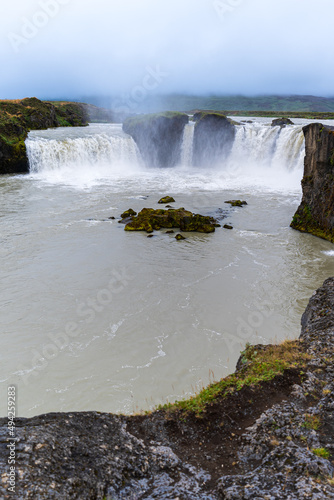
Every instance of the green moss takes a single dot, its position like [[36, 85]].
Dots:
[[128, 213], [311, 422], [307, 180], [149, 219], [321, 452], [17, 118], [259, 365], [236, 203], [166, 199]]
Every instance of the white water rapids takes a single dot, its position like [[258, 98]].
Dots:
[[96, 318]]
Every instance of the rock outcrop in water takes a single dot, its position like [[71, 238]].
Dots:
[[265, 432], [213, 138], [281, 122], [150, 220], [158, 137], [315, 214], [17, 118]]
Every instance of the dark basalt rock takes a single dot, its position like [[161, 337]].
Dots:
[[315, 214], [158, 136], [281, 122], [166, 199], [236, 203], [179, 237], [227, 226], [213, 138], [149, 220]]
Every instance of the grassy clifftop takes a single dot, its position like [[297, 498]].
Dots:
[[18, 117]]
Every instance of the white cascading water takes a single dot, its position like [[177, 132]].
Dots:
[[187, 144], [46, 154], [261, 156], [81, 155], [269, 146]]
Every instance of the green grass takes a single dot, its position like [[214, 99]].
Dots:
[[259, 365], [312, 422], [321, 452]]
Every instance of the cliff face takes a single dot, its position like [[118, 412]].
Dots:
[[213, 138], [158, 137], [315, 214], [17, 118]]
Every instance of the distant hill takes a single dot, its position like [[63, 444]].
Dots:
[[181, 102]]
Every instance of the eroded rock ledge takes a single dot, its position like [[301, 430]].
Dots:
[[265, 432], [315, 214]]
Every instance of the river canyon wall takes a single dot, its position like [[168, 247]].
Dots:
[[315, 214]]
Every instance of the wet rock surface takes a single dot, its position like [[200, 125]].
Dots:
[[150, 219], [158, 137], [281, 122], [213, 138], [236, 203], [270, 441], [315, 214]]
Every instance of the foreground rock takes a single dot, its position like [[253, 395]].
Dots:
[[315, 214], [17, 118], [213, 138], [253, 435], [149, 220], [158, 137]]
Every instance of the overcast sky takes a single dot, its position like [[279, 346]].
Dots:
[[72, 48]]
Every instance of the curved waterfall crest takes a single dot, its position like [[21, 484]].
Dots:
[[255, 144]]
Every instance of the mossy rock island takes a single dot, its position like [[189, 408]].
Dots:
[[128, 213], [158, 137], [166, 199], [149, 220], [236, 203], [18, 117], [213, 138], [315, 214]]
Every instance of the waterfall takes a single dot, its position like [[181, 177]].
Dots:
[[261, 155], [188, 144], [267, 146], [48, 153]]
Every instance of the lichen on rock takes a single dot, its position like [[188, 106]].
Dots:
[[150, 219], [236, 203], [166, 199]]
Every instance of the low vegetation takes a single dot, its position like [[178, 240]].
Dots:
[[257, 364]]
